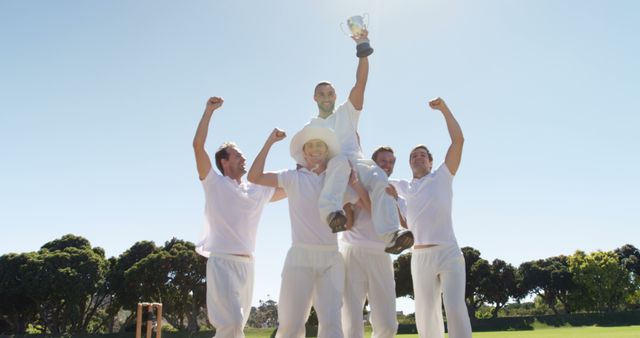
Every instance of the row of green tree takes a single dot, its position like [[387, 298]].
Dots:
[[68, 286], [601, 281]]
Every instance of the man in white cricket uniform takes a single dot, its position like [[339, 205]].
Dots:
[[344, 120], [437, 264], [232, 213], [313, 272], [369, 270]]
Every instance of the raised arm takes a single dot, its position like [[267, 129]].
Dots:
[[203, 161], [454, 154], [278, 195], [356, 96], [256, 173]]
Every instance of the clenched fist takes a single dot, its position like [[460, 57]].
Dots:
[[438, 104], [214, 103]]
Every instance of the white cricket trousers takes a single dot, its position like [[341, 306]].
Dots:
[[439, 271], [312, 275], [383, 207], [369, 274], [229, 293]]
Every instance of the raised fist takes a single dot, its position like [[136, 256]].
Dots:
[[214, 103], [438, 104], [277, 135]]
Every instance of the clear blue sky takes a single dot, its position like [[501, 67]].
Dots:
[[99, 101]]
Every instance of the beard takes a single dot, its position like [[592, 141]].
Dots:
[[326, 108]]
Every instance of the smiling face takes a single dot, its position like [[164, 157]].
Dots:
[[420, 161], [315, 152], [386, 160], [234, 164], [325, 97]]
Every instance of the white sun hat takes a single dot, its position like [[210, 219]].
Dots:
[[309, 133]]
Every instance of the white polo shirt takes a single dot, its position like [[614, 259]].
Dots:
[[362, 233], [429, 202], [232, 212], [344, 121], [303, 191]]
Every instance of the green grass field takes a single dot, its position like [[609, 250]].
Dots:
[[539, 332]]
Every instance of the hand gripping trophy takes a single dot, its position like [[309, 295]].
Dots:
[[358, 29]]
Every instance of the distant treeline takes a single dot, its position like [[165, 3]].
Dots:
[[70, 287], [601, 281]]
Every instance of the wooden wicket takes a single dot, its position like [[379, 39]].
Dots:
[[149, 308]]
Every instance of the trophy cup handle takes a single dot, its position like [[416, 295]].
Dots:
[[342, 29]]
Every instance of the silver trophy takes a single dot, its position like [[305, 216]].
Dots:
[[357, 24]]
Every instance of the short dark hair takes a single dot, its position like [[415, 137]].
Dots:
[[222, 153], [321, 83], [379, 150], [421, 146]]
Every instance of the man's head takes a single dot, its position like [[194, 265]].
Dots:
[[316, 152], [325, 97], [230, 160], [314, 145], [420, 160], [385, 159]]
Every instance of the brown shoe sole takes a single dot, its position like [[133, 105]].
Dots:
[[338, 223], [402, 242]]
